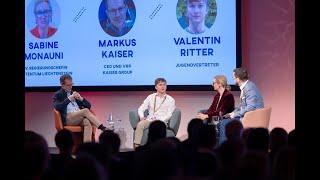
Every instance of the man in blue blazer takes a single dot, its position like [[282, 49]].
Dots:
[[74, 108], [250, 99]]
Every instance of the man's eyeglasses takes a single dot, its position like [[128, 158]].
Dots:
[[68, 85], [119, 10], [43, 13]]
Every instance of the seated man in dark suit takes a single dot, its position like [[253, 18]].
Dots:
[[74, 108]]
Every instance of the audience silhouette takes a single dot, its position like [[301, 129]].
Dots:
[[251, 154]]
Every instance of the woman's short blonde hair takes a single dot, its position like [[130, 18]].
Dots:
[[221, 79]]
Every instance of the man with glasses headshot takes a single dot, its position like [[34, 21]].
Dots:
[[116, 24], [74, 108], [43, 15]]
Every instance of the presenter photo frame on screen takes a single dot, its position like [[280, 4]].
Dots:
[[124, 44], [196, 16], [42, 18], [117, 17]]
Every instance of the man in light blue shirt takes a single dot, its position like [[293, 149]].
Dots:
[[250, 99]]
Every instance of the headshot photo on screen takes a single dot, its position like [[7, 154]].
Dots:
[[42, 26], [196, 16], [117, 16]]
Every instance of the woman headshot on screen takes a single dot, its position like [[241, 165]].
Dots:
[[196, 12], [223, 101], [43, 15]]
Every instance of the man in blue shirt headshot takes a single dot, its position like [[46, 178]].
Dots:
[[116, 24]]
